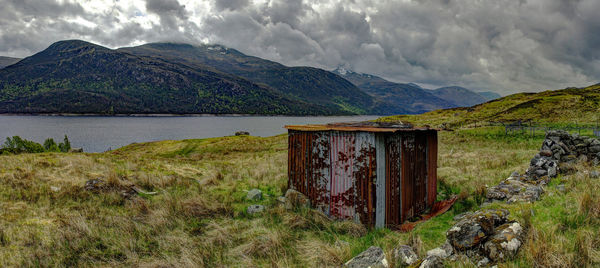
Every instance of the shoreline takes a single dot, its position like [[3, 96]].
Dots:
[[170, 115]]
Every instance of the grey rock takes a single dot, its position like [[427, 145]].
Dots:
[[242, 133], [432, 262], [541, 172], [505, 243], [594, 174], [94, 184], [515, 174], [561, 188], [405, 255], [552, 171], [254, 209], [444, 251], [254, 195], [483, 262], [296, 200], [531, 194], [595, 142], [594, 149], [471, 230], [373, 257]]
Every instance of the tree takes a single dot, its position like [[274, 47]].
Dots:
[[50, 145], [65, 146]]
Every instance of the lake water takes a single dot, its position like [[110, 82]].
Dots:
[[101, 133]]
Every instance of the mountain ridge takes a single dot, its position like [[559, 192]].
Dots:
[[74, 76]]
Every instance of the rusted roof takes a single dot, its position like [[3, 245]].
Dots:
[[367, 126]]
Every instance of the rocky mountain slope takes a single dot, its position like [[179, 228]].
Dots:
[[305, 83], [6, 61], [410, 98], [80, 77]]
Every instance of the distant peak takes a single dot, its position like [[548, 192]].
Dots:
[[414, 85], [343, 70], [72, 44]]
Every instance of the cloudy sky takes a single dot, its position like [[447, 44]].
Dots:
[[505, 46]]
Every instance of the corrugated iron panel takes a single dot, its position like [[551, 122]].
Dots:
[[393, 171], [420, 190], [365, 176], [432, 152], [380, 192], [298, 144], [342, 150], [308, 168], [320, 164], [408, 176]]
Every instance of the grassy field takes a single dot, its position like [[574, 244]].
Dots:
[[568, 106], [198, 217]]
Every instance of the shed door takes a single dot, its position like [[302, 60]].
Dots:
[[414, 170]]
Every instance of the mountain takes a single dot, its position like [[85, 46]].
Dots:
[[581, 105], [6, 61], [459, 96], [395, 98], [309, 84], [410, 98], [489, 95], [79, 77]]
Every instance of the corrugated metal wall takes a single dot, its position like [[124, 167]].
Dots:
[[432, 154], [338, 171], [393, 178]]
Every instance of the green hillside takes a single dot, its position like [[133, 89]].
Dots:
[[305, 83], [80, 77], [574, 105]]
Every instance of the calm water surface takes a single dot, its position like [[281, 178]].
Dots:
[[99, 133]]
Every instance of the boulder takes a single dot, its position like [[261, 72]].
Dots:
[[505, 243], [296, 200], [254, 195], [432, 262], [254, 209], [373, 257], [531, 194], [404, 255], [470, 231], [444, 251]]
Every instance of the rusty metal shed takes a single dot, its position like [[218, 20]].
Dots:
[[374, 173]]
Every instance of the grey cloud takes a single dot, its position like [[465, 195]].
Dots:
[[505, 46], [230, 4]]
